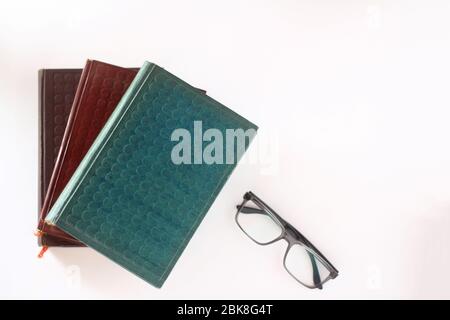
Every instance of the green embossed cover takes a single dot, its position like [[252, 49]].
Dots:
[[128, 200]]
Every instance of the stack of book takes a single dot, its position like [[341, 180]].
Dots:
[[130, 162]]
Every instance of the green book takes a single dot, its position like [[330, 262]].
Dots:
[[152, 174]]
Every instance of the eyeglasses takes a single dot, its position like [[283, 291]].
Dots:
[[302, 260]]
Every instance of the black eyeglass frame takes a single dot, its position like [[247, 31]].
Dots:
[[288, 233]]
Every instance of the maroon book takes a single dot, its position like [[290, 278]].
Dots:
[[57, 89], [100, 89]]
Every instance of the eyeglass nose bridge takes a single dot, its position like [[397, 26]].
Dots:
[[291, 235]]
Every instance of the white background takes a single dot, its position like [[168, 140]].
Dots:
[[355, 95]]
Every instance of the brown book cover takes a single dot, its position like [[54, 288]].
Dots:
[[57, 89], [100, 89]]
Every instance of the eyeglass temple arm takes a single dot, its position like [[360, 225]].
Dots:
[[316, 274], [249, 210]]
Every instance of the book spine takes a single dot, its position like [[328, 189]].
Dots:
[[98, 144], [41, 135], [41, 127]]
